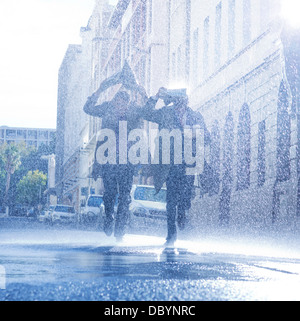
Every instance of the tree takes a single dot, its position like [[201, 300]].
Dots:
[[10, 155], [31, 187]]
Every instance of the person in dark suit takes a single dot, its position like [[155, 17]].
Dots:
[[174, 115], [117, 178]]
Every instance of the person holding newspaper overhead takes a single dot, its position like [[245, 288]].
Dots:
[[117, 178], [174, 115]]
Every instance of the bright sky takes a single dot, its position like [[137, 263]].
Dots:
[[34, 36]]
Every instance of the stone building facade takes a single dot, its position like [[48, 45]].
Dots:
[[237, 60]]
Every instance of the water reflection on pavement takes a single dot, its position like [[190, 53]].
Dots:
[[86, 265]]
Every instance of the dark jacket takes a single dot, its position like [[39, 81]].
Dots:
[[110, 120], [109, 116], [167, 118]]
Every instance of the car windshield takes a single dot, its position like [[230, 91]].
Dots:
[[95, 201], [65, 209], [143, 193]]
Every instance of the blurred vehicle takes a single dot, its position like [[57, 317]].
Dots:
[[63, 214], [3, 211], [147, 206], [47, 214], [41, 216], [44, 215], [92, 210], [32, 213], [19, 210]]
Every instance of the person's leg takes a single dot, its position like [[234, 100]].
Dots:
[[171, 220], [185, 196], [125, 180], [109, 197], [172, 200]]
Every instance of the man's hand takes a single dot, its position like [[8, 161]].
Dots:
[[94, 97], [162, 92], [141, 90]]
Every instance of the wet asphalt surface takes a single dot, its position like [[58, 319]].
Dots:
[[62, 263]]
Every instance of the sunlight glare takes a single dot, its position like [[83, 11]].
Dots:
[[290, 12]]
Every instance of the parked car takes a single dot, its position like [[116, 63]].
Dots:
[[63, 214], [92, 209], [44, 215], [147, 206], [47, 214], [41, 216]]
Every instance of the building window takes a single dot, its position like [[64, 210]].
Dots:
[[179, 69], [126, 44], [265, 8], [174, 5], [215, 158], [149, 68], [150, 15], [261, 154], [10, 133], [283, 135], [231, 27], [225, 197], [206, 47], [21, 134], [195, 55], [139, 22], [43, 134], [218, 29], [247, 21], [32, 134], [244, 148]]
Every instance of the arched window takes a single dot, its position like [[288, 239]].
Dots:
[[283, 135], [261, 153], [244, 148], [215, 158], [228, 150], [224, 203]]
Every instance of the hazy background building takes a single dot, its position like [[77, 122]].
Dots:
[[32, 137]]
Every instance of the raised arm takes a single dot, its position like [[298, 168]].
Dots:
[[149, 113], [92, 109]]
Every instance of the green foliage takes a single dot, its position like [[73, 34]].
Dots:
[[31, 187], [20, 160], [10, 155]]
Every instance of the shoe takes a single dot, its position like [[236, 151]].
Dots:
[[181, 221], [108, 225]]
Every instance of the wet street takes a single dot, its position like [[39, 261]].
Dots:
[[43, 263]]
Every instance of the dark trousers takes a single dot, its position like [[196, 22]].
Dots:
[[117, 181], [179, 194]]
